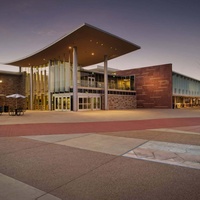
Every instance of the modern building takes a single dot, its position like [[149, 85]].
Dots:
[[160, 87], [55, 78]]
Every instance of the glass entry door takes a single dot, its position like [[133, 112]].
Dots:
[[89, 103], [96, 103], [62, 103]]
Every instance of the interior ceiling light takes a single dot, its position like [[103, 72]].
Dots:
[[102, 44], [70, 47], [92, 54], [97, 42], [90, 40]]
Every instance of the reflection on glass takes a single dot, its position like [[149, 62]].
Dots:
[[64, 103], [60, 101], [68, 103]]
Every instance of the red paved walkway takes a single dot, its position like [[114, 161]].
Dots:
[[91, 127]]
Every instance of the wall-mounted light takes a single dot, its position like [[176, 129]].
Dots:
[[1, 81], [92, 54]]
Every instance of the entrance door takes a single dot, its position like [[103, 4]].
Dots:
[[57, 103], [61, 103], [91, 82], [96, 103], [89, 103]]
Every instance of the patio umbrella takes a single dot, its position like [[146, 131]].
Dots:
[[15, 96]]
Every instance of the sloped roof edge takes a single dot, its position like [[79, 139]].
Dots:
[[88, 39]]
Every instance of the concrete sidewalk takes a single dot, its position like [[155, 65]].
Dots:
[[36, 117], [98, 156]]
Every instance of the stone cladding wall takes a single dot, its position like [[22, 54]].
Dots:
[[120, 102]]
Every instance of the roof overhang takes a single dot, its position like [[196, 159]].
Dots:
[[10, 73], [92, 45]]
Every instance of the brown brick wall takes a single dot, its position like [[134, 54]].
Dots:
[[11, 84], [120, 102], [153, 85]]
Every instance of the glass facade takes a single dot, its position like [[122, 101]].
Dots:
[[186, 91], [39, 88], [55, 79], [96, 80], [185, 86]]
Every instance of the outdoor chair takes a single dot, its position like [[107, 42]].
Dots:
[[11, 111], [20, 111]]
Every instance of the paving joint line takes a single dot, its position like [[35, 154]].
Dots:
[[85, 134], [182, 160], [135, 147], [82, 175], [45, 193]]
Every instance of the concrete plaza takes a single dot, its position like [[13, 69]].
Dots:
[[131, 154]]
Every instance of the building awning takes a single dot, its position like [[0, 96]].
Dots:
[[92, 45]]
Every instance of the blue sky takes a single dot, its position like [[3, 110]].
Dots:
[[167, 31]]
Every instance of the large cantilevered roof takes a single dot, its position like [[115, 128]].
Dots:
[[92, 45]]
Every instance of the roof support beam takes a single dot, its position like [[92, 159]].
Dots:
[[31, 89], [106, 82], [49, 86], [75, 90]]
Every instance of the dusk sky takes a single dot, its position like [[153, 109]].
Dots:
[[168, 31]]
